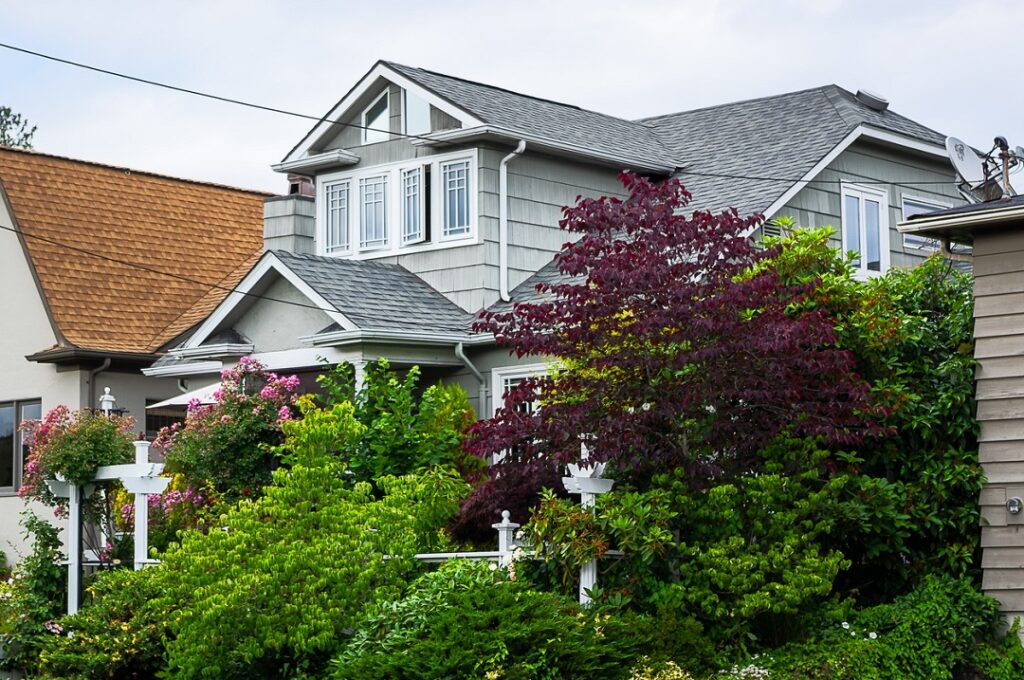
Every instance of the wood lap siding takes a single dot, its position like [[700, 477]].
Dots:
[[999, 349]]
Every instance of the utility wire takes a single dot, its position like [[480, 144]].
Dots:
[[208, 95], [160, 272], [325, 119]]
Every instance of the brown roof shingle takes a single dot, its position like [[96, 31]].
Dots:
[[127, 259]]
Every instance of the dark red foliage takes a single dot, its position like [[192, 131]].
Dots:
[[675, 358]]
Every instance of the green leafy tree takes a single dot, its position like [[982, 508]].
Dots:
[[14, 129], [272, 590]]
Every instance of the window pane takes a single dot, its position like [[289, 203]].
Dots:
[[871, 220], [7, 445], [337, 218], [376, 121], [412, 223], [417, 115], [456, 205], [28, 412], [373, 214], [851, 225], [911, 208]]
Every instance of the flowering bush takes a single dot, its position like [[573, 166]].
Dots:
[[33, 598], [227, 444], [180, 507], [72, 445]]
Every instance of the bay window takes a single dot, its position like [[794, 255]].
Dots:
[[423, 203]]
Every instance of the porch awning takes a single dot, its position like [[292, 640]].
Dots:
[[203, 394]]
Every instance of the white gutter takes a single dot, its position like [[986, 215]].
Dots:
[[327, 159], [176, 370], [482, 394], [982, 217], [554, 146], [503, 220], [348, 337]]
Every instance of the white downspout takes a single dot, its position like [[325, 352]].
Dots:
[[503, 220], [482, 411]]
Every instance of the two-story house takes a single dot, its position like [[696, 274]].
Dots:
[[421, 199], [102, 267]]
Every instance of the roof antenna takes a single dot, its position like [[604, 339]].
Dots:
[[984, 178]]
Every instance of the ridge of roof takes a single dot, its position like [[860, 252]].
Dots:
[[738, 102], [135, 171], [396, 65]]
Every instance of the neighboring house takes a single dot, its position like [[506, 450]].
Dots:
[[432, 198], [101, 268], [995, 229]]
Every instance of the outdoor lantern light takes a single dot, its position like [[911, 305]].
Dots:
[[1014, 505], [108, 402]]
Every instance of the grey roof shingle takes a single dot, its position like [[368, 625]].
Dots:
[[378, 295], [544, 118], [782, 136]]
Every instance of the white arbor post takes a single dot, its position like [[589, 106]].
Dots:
[[141, 478], [586, 481], [506, 538]]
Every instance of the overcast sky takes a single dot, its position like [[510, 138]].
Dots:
[[949, 64]]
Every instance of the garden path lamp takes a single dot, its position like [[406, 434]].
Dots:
[[586, 480]]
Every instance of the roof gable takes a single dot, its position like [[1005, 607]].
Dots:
[[382, 71], [121, 255]]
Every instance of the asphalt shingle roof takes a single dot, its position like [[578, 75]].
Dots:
[[127, 260], [727, 146], [782, 136], [378, 295], [545, 118]]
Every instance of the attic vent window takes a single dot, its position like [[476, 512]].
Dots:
[[377, 120], [875, 102]]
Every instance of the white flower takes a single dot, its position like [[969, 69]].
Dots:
[[873, 635], [492, 566], [846, 625]]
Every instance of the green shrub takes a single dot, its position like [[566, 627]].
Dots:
[[118, 633], [465, 620], [943, 629], [270, 592], [406, 430], [35, 596]]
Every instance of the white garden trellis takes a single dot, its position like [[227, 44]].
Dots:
[[141, 478]]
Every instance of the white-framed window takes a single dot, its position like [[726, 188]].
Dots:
[[415, 114], [455, 187], [376, 120], [413, 223], [865, 220], [395, 208], [13, 442], [507, 377], [373, 212], [336, 230], [915, 205]]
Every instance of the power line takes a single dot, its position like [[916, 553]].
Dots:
[[208, 95], [160, 272], [325, 119]]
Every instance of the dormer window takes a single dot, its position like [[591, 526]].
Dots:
[[418, 204], [377, 120]]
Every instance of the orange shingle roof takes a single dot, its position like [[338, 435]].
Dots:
[[127, 260]]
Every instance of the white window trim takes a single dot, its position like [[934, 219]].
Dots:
[[499, 375], [882, 196], [387, 118], [442, 200], [348, 221], [386, 186], [938, 205], [403, 174], [394, 207]]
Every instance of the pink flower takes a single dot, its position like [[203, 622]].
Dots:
[[268, 392], [284, 414]]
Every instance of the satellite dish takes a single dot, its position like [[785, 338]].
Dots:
[[968, 164]]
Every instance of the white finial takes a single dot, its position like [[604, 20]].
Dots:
[[107, 402]]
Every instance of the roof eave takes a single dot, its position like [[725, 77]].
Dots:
[[553, 146], [960, 227], [327, 159], [352, 337], [71, 355]]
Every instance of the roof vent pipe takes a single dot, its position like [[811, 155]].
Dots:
[[875, 102], [503, 220]]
